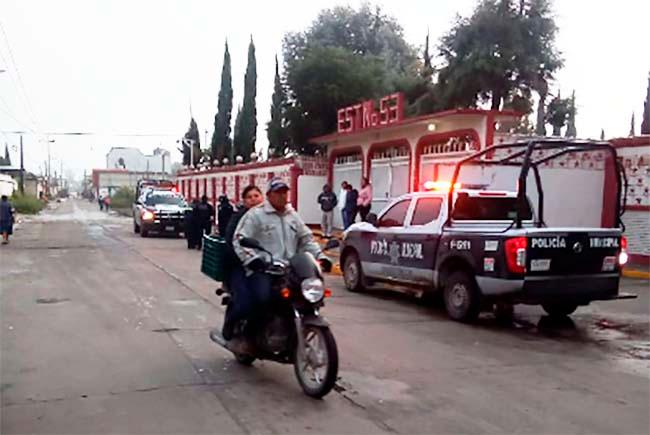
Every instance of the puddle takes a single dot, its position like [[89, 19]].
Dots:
[[51, 300]]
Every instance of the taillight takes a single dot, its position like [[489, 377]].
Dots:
[[516, 254], [623, 257], [147, 215]]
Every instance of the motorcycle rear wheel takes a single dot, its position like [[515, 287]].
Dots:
[[317, 368]]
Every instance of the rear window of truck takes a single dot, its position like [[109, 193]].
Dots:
[[491, 208]]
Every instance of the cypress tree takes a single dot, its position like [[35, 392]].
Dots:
[[602, 134], [275, 129], [237, 136], [248, 125], [632, 132], [645, 124], [221, 143], [427, 70]]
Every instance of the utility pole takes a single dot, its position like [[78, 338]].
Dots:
[[22, 168]]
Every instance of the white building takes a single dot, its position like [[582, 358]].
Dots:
[[132, 159]]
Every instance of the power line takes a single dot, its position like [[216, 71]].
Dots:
[[33, 117], [8, 112]]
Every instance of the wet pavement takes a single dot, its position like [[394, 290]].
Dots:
[[103, 331]]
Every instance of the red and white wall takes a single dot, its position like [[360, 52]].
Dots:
[[231, 180], [634, 154]]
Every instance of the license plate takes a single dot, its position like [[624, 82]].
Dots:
[[169, 228], [540, 265]]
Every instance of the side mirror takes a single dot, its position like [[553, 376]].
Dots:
[[372, 219], [250, 243], [331, 244]]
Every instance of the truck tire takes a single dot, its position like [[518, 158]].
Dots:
[[559, 309], [144, 232], [461, 297], [353, 273]]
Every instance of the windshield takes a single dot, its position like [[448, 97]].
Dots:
[[164, 199], [488, 208]]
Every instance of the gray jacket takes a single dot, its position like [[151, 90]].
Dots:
[[282, 234]]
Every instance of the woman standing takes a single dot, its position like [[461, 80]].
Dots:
[[241, 298], [365, 199], [6, 219]]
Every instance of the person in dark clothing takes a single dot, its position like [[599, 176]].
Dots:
[[205, 211], [327, 200], [241, 300], [351, 207], [6, 219], [191, 226], [224, 213]]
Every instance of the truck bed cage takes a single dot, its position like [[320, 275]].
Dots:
[[525, 149]]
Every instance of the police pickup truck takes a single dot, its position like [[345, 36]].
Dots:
[[160, 211], [482, 248]]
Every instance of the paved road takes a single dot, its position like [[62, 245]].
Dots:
[[103, 331]]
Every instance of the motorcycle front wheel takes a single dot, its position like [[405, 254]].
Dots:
[[317, 367]]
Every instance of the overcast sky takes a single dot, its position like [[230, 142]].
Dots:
[[123, 67]]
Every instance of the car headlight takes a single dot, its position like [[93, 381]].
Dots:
[[312, 289]]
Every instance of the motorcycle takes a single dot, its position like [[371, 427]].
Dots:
[[292, 330]]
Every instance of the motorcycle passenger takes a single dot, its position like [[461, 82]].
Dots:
[[282, 232], [236, 275]]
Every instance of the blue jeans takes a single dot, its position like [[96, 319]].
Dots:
[[344, 216], [249, 297]]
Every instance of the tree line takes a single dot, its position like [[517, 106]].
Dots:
[[502, 56]]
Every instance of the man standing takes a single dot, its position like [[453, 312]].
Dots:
[[206, 217], [341, 200], [327, 201], [6, 219], [350, 209]]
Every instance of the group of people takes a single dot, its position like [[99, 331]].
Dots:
[[6, 219], [280, 230], [198, 221], [350, 201]]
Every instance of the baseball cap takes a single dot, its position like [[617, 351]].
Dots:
[[276, 184]]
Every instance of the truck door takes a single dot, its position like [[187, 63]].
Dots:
[[383, 253], [419, 241]]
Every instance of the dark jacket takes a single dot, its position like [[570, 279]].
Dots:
[[327, 201], [205, 213], [224, 213], [6, 217], [351, 200]]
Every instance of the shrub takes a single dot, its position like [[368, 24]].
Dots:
[[123, 198], [26, 204]]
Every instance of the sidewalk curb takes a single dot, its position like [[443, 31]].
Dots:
[[638, 274]]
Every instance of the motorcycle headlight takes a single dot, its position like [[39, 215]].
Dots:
[[312, 289]]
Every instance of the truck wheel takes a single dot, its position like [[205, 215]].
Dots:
[[136, 228], [353, 273], [461, 297], [559, 309], [143, 232]]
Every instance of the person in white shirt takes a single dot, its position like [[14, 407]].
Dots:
[[341, 202]]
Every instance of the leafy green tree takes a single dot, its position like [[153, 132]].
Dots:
[[557, 113], [248, 111], [571, 121], [221, 143], [504, 47], [645, 123], [276, 129], [344, 57]]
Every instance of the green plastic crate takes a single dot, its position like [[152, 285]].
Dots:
[[213, 261]]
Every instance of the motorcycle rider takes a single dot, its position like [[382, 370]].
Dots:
[[282, 232]]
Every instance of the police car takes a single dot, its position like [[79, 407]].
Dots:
[[480, 248]]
